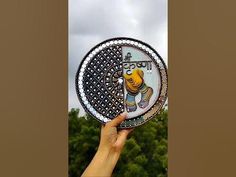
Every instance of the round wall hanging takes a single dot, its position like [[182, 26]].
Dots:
[[122, 74]]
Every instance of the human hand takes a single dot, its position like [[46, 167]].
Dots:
[[111, 144], [111, 139]]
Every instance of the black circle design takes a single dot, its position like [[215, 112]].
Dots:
[[100, 83]]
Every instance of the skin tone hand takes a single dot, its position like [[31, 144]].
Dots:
[[111, 144]]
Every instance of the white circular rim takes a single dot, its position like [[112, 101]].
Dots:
[[111, 42]]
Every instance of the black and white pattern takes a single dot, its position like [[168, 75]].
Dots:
[[101, 82]]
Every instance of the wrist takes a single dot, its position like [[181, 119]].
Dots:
[[108, 150], [102, 164], [109, 154]]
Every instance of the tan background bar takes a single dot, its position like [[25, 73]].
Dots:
[[33, 94], [202, 74]]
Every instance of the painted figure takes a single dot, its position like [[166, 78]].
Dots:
[[135, 84]]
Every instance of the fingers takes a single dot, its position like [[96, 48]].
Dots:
[[102, 127], [117, 121], [125, 132], [122, 137]]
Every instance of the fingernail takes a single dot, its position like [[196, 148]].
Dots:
[[124, 114]]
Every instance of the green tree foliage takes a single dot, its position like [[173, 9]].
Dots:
[[144, 154]]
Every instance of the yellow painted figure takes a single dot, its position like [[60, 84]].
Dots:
[[135, 84]]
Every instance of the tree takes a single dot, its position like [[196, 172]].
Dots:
[[144, 154]]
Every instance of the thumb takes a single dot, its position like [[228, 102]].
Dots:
[[117, 121]]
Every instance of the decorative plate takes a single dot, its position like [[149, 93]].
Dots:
[[122, 74]]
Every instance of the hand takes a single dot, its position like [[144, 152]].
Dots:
[[111, 139], [111, 144]]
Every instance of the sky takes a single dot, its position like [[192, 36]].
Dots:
[[93, 21]]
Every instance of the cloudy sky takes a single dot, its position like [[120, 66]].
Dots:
[[93, 21]]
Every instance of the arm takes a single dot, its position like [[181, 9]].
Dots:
[[110, 147]]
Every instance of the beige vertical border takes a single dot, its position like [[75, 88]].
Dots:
[[202, 88], [33, 89]]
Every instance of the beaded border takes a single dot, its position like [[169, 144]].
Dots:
[[133, 122]]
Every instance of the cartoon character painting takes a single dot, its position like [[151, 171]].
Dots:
[[135, 84]]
